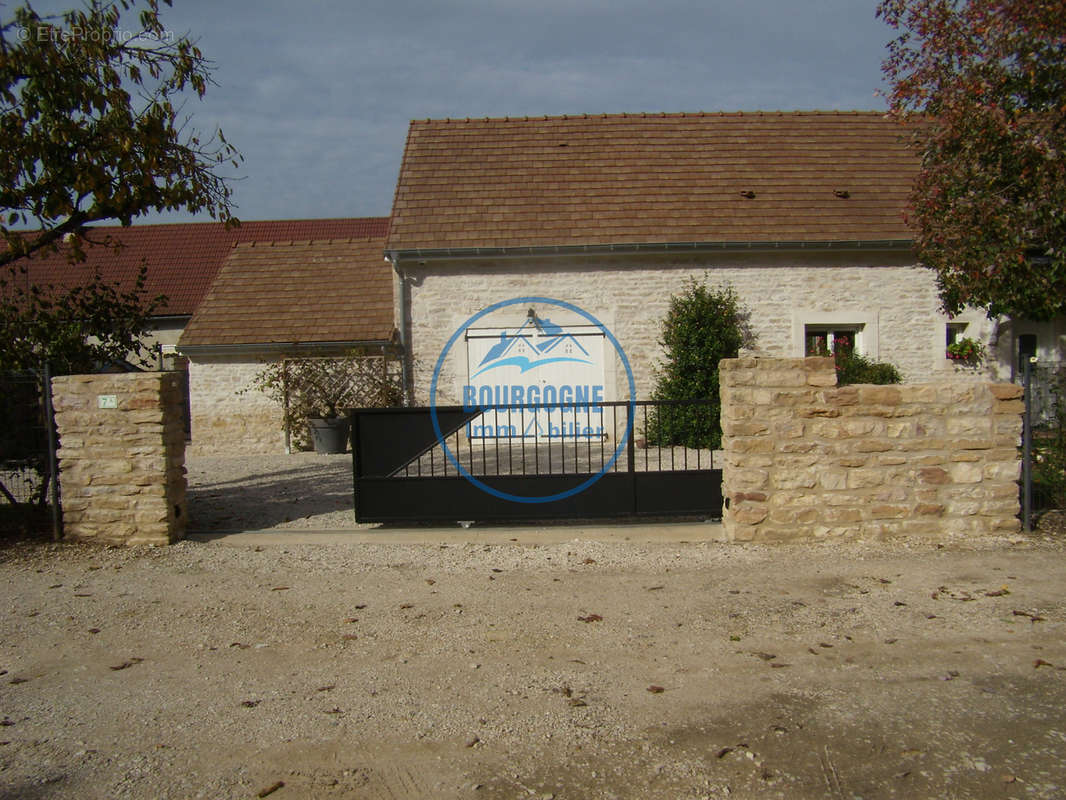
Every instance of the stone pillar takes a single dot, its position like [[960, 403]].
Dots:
[[806, 459], [121, 457]]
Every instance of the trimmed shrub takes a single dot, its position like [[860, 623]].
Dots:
[[854, 367], [702, 327]]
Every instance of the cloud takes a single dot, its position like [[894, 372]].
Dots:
[[318, 96]]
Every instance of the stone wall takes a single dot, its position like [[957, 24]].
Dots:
[[891, 296], [121, 457], [806, 459], [230, 416]]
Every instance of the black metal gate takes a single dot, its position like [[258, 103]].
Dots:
[[525, 462], [29, 481], [1043, 484]]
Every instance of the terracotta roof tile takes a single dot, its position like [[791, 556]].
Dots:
[[608, 179], [184, 258], [338, 290]]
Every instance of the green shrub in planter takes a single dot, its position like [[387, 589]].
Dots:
[[854, 367]]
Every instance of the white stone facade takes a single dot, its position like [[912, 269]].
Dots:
[[230, 416], [885, 294], [891, 300]]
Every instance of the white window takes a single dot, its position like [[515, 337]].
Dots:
[[817, 332], [820, 340], [955, 331]]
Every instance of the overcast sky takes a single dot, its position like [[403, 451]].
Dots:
[[317, 94]]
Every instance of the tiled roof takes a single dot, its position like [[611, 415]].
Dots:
[[655, 178], [184, 258], [297, 292]]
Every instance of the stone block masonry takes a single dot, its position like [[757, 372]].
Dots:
[[893, 296], [229, 415], [806, 459], [121, 457]]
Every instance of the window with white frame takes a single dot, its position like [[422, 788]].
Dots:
[[816, 331], [955, 331], [824, 340]]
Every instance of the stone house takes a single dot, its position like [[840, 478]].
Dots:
[[181, 259], [281, 298], [801, 212]]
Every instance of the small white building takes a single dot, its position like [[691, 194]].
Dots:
[[277, 299]]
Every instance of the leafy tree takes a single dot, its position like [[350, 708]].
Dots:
[[988, 79], [76, 329], [91, 133], [702, 327]]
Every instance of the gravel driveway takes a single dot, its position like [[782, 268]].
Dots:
[[298, 491], [575, 671], [572, 670]]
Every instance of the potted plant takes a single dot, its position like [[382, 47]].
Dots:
[[329, 432], [315, 394], [967, 352]]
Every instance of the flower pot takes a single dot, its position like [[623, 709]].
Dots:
[[329, 435]]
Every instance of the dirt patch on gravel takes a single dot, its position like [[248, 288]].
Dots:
[[578, 670]]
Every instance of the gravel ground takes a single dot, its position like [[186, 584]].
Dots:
[[298, 491], [302, 491], [579, 670], [573, 671]]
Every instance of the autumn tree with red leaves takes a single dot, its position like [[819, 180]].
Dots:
[[986, 80]]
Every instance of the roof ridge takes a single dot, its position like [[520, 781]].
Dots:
[[302, 242], [237, 229], [654, 114]]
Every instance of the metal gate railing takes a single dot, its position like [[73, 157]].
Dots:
[[29, 478], [1043, 484], [573, 460]]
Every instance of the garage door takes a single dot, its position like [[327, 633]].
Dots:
[[559, 369]]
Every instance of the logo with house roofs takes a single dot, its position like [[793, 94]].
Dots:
[[535, 343]]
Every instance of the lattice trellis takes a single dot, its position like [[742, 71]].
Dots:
[[328, 387]]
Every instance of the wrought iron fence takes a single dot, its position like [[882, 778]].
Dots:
[[571, 460], [1043, 484], [28, 475], [573, 439], [1046, 388]]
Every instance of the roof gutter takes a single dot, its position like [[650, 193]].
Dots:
[[444, 253], [278, 348]]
